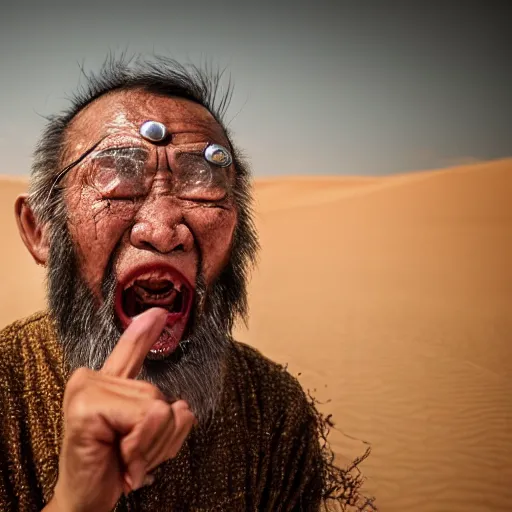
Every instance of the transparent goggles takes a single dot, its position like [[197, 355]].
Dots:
[[198, 172]]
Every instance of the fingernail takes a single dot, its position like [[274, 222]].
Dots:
[[136, 474], [148, 322], [145, 313], [146, 480], [128, 482]]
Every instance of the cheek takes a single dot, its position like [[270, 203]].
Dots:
[[96, 228], [213, 229]]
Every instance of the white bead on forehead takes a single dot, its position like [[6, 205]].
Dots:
[[153, 131]]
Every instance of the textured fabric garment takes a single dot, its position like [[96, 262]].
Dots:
[[260, 452]]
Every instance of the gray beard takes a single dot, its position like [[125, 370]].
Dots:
[[88, 331]]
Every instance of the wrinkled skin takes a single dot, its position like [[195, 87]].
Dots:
[[160, 227], [112, 233], [117, 429]]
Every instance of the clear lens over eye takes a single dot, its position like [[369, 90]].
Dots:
[[198, 179], [126, 161], [218, 155], [121, 171]]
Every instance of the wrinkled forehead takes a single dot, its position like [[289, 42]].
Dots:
[[119, 115]]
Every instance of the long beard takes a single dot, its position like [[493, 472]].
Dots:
[[88, 331]]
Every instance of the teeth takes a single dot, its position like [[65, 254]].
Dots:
[[155, 275]]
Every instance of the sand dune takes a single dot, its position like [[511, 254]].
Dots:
[[392, 298]]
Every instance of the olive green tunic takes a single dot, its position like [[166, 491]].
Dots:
[[261, 452]]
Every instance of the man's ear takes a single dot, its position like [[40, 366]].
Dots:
[[32, 232]]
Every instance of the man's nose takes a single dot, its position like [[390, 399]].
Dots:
[[160, 226]]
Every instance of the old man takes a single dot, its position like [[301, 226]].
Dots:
[[130, 393]]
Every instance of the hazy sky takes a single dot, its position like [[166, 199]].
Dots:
[[321, 87]]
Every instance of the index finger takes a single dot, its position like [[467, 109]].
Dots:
[[133, 346]]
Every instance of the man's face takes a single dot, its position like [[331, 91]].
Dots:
[[156, 214]]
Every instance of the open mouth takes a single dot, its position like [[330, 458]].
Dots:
[[157, 286]]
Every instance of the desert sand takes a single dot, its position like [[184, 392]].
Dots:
[[391, 300]]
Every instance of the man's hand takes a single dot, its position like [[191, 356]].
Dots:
[[116, 429]]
